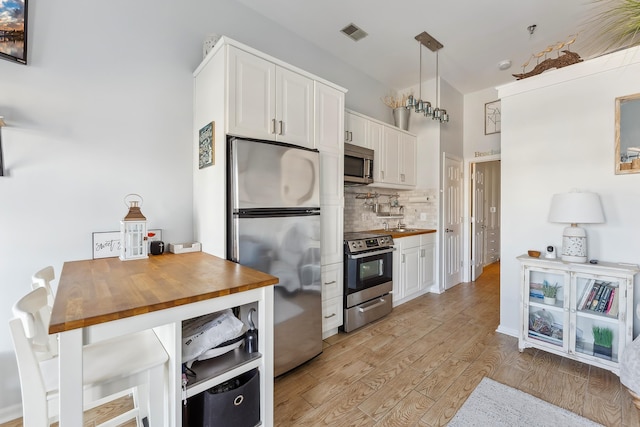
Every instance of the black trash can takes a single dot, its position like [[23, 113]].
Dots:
[[233, 403]]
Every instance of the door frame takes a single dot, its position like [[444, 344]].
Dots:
[[468, 233]]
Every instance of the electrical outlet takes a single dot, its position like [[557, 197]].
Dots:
[[423, 216]]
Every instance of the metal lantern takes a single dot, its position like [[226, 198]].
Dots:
[[133, 231]]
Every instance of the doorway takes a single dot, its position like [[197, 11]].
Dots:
[[485, 214]]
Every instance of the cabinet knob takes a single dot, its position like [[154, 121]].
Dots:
[[273, 126], [280, 127], [329, 283], [329, 316]]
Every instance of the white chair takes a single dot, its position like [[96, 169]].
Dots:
[[43, 278], [131, 362]]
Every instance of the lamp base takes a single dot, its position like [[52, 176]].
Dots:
[[574, 244]]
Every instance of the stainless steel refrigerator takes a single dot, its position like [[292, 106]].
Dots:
[[274, 226]]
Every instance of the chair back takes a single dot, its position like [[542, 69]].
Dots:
[[29, 343], [43, 278], [34, 312]]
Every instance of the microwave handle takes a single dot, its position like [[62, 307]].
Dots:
[[368, 168]]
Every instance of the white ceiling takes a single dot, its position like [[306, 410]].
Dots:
[[476, 34]]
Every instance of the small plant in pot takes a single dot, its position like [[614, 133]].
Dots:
[[602, 342], [550, 292]]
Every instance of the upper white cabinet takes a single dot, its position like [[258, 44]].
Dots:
[[267, 101], [355, 130], [396, 151]]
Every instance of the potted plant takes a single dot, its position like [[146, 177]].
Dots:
[[550, 292], [602, 342]]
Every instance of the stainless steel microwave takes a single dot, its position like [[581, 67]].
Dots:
[[358, 165]]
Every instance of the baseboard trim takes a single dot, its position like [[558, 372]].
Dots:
[[507, 331], [10, 413]]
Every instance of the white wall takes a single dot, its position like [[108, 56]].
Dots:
[[104, 109], [478, 147], [558, 134]]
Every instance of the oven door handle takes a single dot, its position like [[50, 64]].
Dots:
[[380, 302], [368, 254]]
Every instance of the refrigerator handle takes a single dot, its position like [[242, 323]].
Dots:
[[235, 236]]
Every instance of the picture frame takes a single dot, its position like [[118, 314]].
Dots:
[[13, 30], [492, 117], [206, 149], [627, 147], [106, 244]]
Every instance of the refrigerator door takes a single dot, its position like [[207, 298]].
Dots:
[[272, 175], [289, 248]]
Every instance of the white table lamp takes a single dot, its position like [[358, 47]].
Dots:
[[575, 208]]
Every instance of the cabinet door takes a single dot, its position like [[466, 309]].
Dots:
[[545, 323], [251, 110], [390, 172], [331, 178], [356, 130], [427, 265], [411, 270], [332, 237], [598, 306], [332, 315], [409, 159], [329, 114], [294, 108]]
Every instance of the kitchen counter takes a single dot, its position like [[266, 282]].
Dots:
[[397, 234], [106, 298]]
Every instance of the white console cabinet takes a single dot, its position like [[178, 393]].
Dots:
[[591, 298]]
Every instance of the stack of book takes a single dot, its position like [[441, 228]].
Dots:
[[600, 297]]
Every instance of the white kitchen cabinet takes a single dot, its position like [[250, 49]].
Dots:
[[408, 159], [332, 299], [267, 101], [589, 296], [332, 235], [329, 132], [398, 163], [355, 130], [413, 266]]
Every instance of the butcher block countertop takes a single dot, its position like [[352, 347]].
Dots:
[[102, 290], [397, 234]]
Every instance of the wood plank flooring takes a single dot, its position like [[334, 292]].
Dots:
[[418, 365]]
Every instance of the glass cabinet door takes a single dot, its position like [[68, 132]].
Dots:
[[597, 306], [547, 318]]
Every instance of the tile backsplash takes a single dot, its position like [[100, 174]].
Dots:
[[359, 212]]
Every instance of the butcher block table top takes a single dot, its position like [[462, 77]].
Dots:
[[398, 235], [102, 290]]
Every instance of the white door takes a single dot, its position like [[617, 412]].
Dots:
[[479, 221], [452, 221], [251, 95], [294, 108]]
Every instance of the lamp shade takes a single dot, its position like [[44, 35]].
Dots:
[[576, 208]]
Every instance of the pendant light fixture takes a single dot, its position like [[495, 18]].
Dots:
[[419, 105]]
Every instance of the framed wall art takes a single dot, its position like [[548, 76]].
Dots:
[[207, 151], [492, 117], [13, 30]]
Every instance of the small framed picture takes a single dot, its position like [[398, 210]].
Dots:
[[492, 117], [207, 143], [107, 244]]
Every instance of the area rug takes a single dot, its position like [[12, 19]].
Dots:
[[495, 404]]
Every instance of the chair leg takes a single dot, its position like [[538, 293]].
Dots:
[[155, 396]]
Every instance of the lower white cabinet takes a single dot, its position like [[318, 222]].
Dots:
[[593, 305], [332, 299], [413, 266]]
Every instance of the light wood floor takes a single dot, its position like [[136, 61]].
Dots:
[[418, 365]]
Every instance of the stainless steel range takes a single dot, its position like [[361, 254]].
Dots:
[[368, 278]]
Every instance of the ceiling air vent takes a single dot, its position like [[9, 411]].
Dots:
[[353, 32]]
